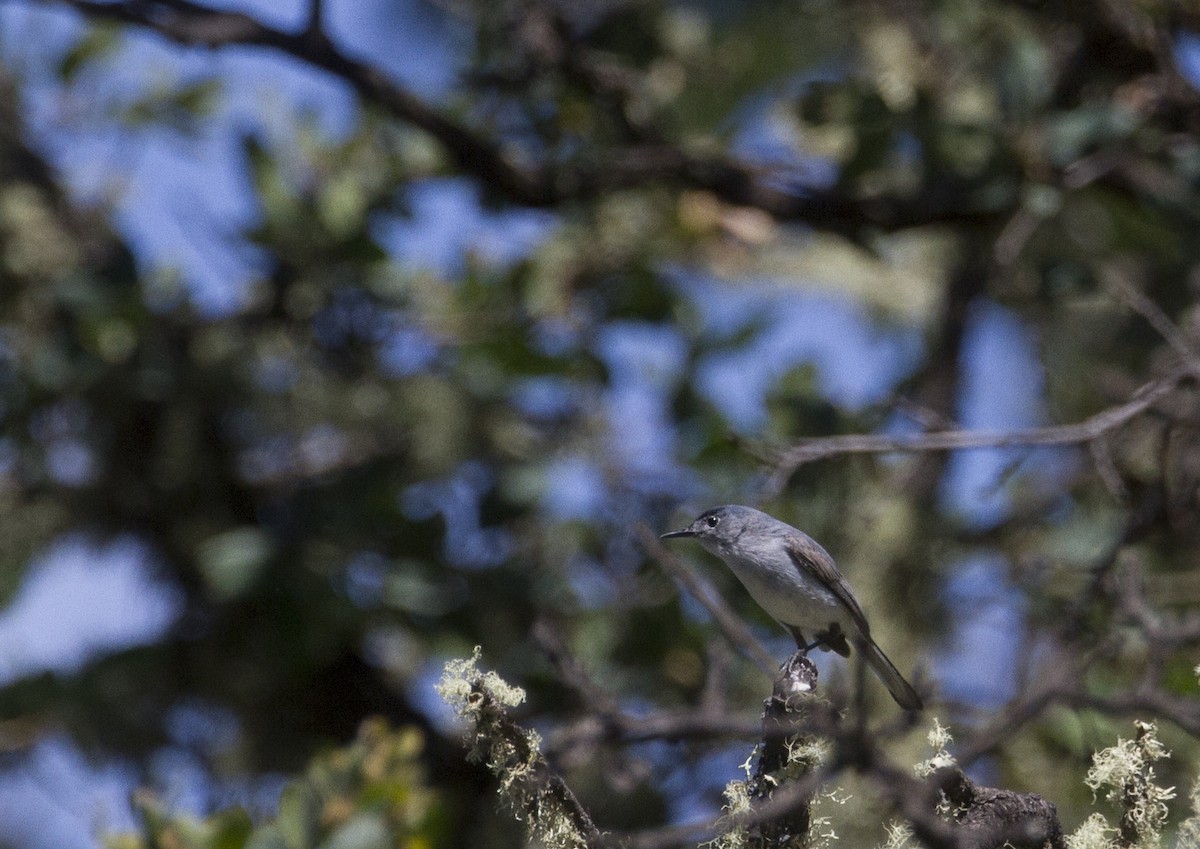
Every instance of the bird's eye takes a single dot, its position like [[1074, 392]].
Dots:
[[712, 521]]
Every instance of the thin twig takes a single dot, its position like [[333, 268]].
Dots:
[[783, 802], [571, 670], [1137, 301], [315, 25], [728, 621], [819, 448]]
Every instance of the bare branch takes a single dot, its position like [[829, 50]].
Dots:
[[1180, 710], [988, 817], [315, 25], [1027, 706], [726, 619], [819, 448], [1136, 300], [783, 802], [571, 670]]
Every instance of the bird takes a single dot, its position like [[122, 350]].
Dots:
[[796, 581]]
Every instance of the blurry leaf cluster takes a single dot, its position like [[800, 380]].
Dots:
[[370, 793]]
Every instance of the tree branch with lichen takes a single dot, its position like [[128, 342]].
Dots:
[[784, 756], [537, 796]]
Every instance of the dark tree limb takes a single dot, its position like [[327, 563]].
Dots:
[[988, 818], [524, 179], [782, 712], [315, 24], [979, 817], [539, 795]]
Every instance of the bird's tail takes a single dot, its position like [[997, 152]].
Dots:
[[901, 690]]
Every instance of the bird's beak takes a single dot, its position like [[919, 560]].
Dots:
[[686, 532]]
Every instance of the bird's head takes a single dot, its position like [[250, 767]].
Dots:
[[719, 529]]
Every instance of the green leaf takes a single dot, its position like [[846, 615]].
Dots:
[[100, 42], [366, 830], [233, 560], [231, 829]]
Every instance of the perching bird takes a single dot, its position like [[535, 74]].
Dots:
[[796, 581]]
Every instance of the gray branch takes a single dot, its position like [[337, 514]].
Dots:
[[786, 462]]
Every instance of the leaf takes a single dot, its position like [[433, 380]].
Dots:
[[232, 561], [100, 42], [367, 830], [231, 829]]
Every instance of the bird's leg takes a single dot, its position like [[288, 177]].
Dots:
[[802, 645], [821, 640]]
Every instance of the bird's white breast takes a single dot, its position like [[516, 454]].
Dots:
[[791, 596]]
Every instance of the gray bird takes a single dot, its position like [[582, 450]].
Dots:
[[797, 582]]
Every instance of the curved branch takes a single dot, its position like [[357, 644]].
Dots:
[[1080, 433]]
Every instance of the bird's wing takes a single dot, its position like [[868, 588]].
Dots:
[[814, 560]]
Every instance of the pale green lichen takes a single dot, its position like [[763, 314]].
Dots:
[[738, 804], [806, 753], [820, 830], [461, 677], [1093, 833], [1125, 773], [511, 753], [899, 835], [939, 740], [1189, 829]]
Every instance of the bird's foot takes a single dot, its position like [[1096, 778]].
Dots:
[[796, 675], [817, 643]]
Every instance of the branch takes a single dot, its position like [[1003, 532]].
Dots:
[[549, 182], [537, 795], [735, 629], [782, 803], [315, 25], [775, 808], [1066, 687], [1088, 430], [1118, 283], [780, 757], [988, 817]]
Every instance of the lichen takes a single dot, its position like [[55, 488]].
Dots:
[[737, 805], [1189, 829], [821, 834], [804, 754], [1093, 833], [899, 835], [1125, 774], [939, 740], [462, 676], [510, 752]]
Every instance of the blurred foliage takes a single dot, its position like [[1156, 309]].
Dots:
[[360, 467], [372, 792]]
